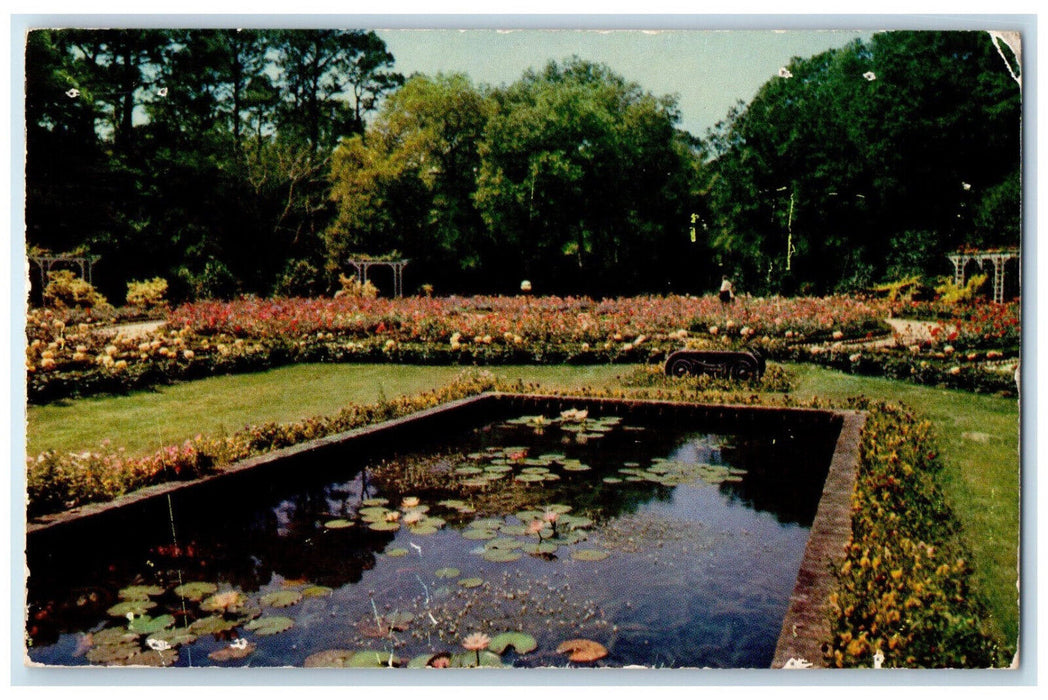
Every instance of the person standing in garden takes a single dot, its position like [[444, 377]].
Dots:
[[727, 293]]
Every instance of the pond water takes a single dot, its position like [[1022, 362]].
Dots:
[[665, 545]]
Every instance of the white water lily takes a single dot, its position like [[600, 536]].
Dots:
[[870, 75], [798, 663], [240, 643], [878, 659], [157, 644], [785, 73]]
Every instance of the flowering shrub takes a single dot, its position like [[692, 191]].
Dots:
[[65, 290], [147, 294], [920, 365], [902, 589], [525, 320], [60, 481]]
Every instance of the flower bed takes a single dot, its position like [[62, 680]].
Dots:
[[903, 598], [970, 326], [987, 372], [208, 338]]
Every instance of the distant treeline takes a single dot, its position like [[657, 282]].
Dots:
[[258, 161]]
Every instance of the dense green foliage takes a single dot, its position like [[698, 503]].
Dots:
[[873, 161], [241, 162], [199, 156]]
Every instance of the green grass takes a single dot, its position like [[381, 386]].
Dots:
[[143, 421], [978, 435]]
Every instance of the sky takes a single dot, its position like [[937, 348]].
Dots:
[[709, 71]]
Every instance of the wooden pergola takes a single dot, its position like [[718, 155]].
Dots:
[[997, 257], [47, 262], [361, 266]]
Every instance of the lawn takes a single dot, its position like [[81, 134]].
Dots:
[[978, 434]]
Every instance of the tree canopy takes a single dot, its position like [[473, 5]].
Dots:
[[873, 160], [259, 161]]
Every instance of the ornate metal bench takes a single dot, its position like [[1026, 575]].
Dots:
[[742, 364]]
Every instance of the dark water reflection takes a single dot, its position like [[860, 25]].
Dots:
[[697, 573]]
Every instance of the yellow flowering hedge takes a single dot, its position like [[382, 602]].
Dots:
[[903, 589]]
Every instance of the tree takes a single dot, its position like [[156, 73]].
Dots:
[[581, 180], [319, 69], [407, 183], [855, 154]]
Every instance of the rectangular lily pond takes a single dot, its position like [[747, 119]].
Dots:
[[502, 531]]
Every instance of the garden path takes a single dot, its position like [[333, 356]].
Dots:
[[132, 330]]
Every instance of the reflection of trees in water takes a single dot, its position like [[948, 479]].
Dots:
[[785, 472]]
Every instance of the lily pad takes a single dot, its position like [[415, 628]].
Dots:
[[152, 658], [329, 658], [269, 625], [281, 599], [195, 590], [514, 530], [135, 607], [373, 514], [582, 650], [375, 502], [422, 529], [148, 625], [521, 642], [469, 659], [438, 660], [580, 467], [316, 591], [479, 534], [112, 654], [113, 636], [539, 548], [396, 552], [471, 582], [503, 543], [589, 554], [486, 524], [383, 526], [468, 471], [502, 555], [213, 624], [575, 522], [448, 572], [372, 659], [611, 480], [175, 636], [476, 482], [139, 592], [527, 478], [452, 503], [338, 524], [233, 652]]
